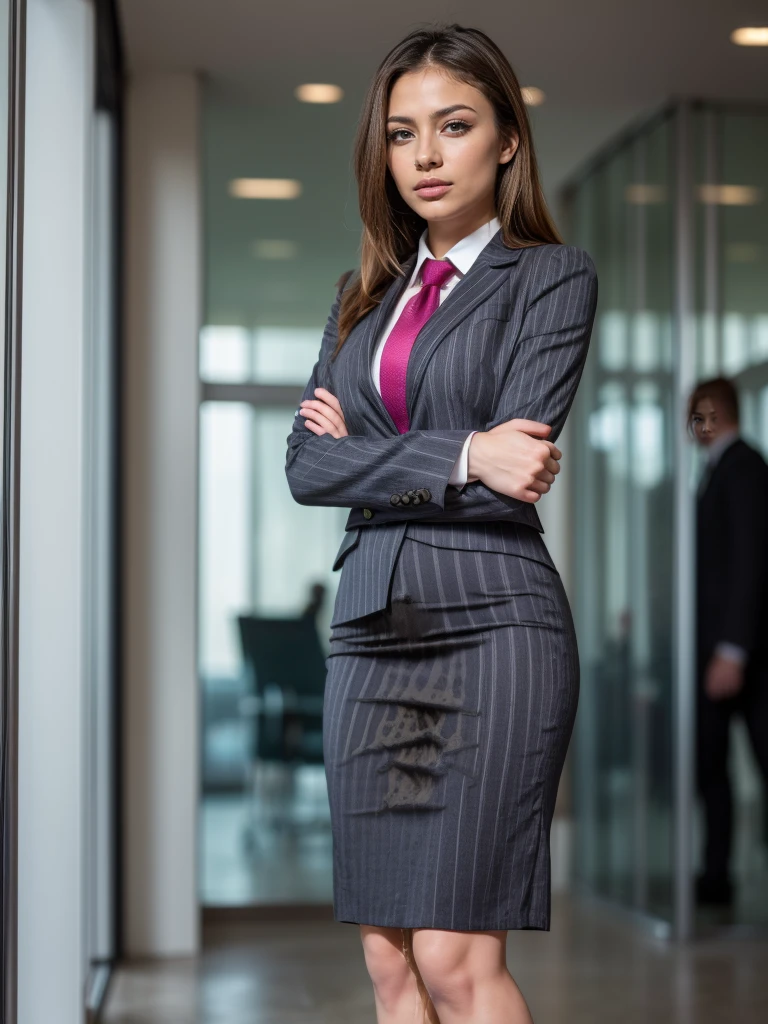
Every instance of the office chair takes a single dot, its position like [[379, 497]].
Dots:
[[286, 668]]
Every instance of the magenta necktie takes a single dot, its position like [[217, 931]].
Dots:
[[397, 348]]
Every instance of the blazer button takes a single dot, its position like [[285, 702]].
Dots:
[[394, 499], [424, 493], [367, 513], [405, 499]]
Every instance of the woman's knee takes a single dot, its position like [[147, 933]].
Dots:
[[445, 967], [454, 964], [387, 966]]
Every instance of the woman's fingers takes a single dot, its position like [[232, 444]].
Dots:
[[332, 400], [317, 420], [327, 406], [322, 409], [326, 411], [326, 396]]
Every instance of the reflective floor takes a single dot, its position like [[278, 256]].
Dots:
[[269, 844], [592, 968]]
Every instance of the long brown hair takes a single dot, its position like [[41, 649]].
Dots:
[[391, 229]]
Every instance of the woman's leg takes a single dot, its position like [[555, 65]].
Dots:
[[467, 978], [394, 982]]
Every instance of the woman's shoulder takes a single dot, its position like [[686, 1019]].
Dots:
[[570, 257]]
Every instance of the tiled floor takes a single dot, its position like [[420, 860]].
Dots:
[[592, 968]]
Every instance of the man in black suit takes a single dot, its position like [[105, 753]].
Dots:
[[732, 616]]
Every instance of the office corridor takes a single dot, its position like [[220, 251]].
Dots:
[[592, 968]]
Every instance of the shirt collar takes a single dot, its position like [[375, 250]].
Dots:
[[718, 447], [463, 254]]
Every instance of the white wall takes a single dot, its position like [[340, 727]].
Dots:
[[163, 305], [52, 764]]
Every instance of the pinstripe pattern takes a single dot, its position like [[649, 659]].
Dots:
[[508, 341], [453, 671], [447, 718]]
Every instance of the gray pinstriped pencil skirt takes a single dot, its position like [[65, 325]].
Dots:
[[446, 722]]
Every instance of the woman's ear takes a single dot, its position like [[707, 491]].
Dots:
[[509, 146]]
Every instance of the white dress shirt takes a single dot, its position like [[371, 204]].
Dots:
[[462, 255]]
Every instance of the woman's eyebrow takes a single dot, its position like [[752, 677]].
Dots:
[[433, 116]]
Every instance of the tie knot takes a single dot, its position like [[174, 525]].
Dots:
[[436, 271]]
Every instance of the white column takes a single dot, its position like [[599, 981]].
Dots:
[[161, 395], [52, 944]]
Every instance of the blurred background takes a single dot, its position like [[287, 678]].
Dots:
[[172, 169]]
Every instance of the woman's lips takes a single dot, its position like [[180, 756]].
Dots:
[[432, 191]]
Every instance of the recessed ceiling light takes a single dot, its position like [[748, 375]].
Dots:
[[265, 188], [755, 35], [532, 97], [729, 195], [318, 92], [274, 249]]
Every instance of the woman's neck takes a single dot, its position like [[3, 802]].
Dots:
[[442, 236]]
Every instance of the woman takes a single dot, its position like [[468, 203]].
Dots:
[[446, 370]]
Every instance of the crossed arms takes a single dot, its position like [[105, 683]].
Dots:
[[540, 385]]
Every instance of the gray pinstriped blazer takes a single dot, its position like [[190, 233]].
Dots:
[[508, 341]]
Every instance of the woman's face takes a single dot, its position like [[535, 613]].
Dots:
[[440, 128], [709, 421]]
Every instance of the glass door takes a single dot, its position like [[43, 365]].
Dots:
[[266, 585], [732, 341], [622, 215]]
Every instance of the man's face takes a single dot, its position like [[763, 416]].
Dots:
[[710, 420]]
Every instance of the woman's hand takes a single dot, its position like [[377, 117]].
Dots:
[[323, 414], [514, 458]]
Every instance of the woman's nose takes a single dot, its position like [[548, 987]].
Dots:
[[429, 159]]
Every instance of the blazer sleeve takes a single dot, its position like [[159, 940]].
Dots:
[[546, 365], [745, 492], [362, 471]]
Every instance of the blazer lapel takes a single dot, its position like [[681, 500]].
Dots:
[[484, 277]]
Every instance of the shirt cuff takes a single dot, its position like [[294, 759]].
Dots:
[[458, 475], [732, 652]]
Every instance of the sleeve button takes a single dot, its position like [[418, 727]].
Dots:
[[368, 513], [394, 499], [425, 494]]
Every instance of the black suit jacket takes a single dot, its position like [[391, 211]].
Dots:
[[732, 555]]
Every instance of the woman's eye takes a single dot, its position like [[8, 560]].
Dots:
[[396, 134]]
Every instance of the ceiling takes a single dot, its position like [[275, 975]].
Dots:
[[600, 63]]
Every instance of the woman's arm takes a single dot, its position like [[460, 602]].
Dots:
[[543, 375], [541, 384], [359, 470]]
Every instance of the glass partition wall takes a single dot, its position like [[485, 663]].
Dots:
[[674, 214], [266, 585]]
